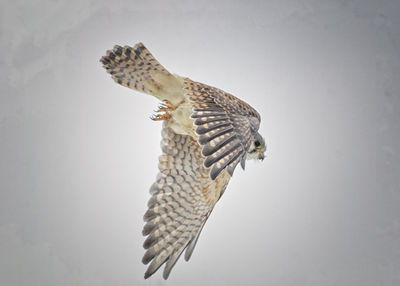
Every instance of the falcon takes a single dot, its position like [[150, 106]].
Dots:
[[206, 133]]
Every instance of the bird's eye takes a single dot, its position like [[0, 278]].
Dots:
[[257, 143]]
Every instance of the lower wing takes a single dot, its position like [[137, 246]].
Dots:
[[183, 197]]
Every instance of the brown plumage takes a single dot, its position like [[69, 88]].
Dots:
[[206, 133]]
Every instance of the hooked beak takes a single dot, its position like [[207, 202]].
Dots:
[[261, 157]]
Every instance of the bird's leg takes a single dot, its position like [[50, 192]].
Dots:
[[160, 116], [166, 106], [163, 111]]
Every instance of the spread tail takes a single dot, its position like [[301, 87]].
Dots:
[[137, 69]]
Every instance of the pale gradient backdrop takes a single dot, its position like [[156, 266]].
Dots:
[[78, 153]]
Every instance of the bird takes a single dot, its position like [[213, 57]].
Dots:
[[206, 133]]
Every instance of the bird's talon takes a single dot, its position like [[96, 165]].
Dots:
[[161, 116]]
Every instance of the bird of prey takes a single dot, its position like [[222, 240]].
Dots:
[[206, 132]]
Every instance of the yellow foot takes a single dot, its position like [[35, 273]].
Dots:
[[162, 113], [161, 116], [166, 106]]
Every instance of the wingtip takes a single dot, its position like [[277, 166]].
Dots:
[[214, 173], [166, 275], [230, 170], [148, 274], [243, 162]]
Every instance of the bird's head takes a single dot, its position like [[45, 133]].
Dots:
[[257, 147]]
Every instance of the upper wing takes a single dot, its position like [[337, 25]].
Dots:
[[224, 125], [183, 197]]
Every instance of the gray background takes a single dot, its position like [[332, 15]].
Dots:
[[78, 152]]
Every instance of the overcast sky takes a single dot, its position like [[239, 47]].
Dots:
[[78, 152]]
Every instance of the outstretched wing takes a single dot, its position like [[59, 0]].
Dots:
[[224, 125], [183, 197]]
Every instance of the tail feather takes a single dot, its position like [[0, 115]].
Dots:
[[137, 69]]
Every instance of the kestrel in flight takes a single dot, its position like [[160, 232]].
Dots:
[[205, 134]]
